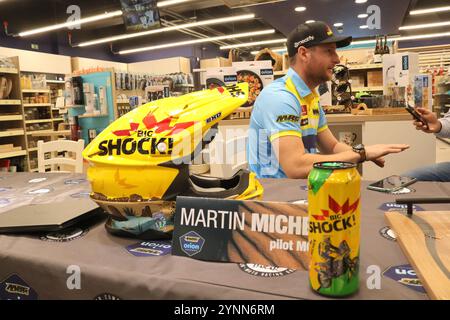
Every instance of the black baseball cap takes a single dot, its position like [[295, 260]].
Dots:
[[313, 34]]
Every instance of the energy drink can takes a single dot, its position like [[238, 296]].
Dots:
[[334, 224]]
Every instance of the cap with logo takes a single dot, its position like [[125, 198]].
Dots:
[[313, 34]]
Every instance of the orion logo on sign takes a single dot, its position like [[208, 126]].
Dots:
[[191, 243], [266, 72], [392, 206], [405, 275], [15, 288], [154, 248], [232, 78]]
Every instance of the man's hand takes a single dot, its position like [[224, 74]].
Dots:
[[434, 125], [379, 162], [376, 152]]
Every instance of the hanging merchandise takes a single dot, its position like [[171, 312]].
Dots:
[[140, 163], [342, 90], [78, 97]]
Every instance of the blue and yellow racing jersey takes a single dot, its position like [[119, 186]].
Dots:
[[287, 107]]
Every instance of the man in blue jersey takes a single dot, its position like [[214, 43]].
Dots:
[[288, 125]]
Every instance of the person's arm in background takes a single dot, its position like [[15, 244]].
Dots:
[[297, 164], [440, 127]]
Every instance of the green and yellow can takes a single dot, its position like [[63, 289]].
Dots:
[[334, 190]]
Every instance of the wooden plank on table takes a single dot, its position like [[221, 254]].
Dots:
[[425, 240]]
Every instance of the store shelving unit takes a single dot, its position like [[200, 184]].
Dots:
[[12, 134], [37, 117]]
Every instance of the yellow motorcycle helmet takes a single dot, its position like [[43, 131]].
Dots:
[[139, 164]]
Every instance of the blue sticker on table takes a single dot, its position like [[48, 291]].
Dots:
[[405, 275], [83, 194], [150, 248], [15, 288], [4, 189], [74, 181], [304, 188], [37, 180], [191, 243], [4, 202], [392, 206]]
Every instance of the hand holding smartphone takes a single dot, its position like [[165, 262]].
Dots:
[[416, 115]]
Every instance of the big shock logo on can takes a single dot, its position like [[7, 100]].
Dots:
[[337, 218]]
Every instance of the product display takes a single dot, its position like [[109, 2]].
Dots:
[[140, 163]]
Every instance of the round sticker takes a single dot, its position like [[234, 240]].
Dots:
[[74, 181], [304, 201], [4, 202], [65, 235], [37, 180], [40, 191], [264, 271], [388, 233], [83, 194], [403, 191]]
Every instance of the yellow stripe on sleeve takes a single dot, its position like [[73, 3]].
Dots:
[[284, 134]]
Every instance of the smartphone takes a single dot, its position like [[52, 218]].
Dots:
[[392, 183], [416, 115]]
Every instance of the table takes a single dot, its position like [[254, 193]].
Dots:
[[108, 270]]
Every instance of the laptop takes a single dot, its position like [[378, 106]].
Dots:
[[48, 217]]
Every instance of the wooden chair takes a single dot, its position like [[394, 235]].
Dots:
[[66, 163]]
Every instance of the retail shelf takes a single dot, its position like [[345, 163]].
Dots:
[[11, 133], [55, 81], [35, 91], [92, 116], [365, 66], [440, 94], [10, 102], [183, 85], [9, 70], [41, 131], [30, 105], [75, 106], [38, 120], [4, 155], [379, 88], [11, 117], [34, 170], [58, 119], [32, 149], [123, 102]]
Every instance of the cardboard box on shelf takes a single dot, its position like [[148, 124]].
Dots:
[[375, 78], [357, 80]]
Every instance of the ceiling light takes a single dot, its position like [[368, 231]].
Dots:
[[208, 39], [360, 1], [364, 27], [429, 10], [72, 23], [252, 44], [426, 25], [167, 29], [170, 3], [363, 15], [338, 24], [300, 9], [271, 49], [310, 21], [405, 38]]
